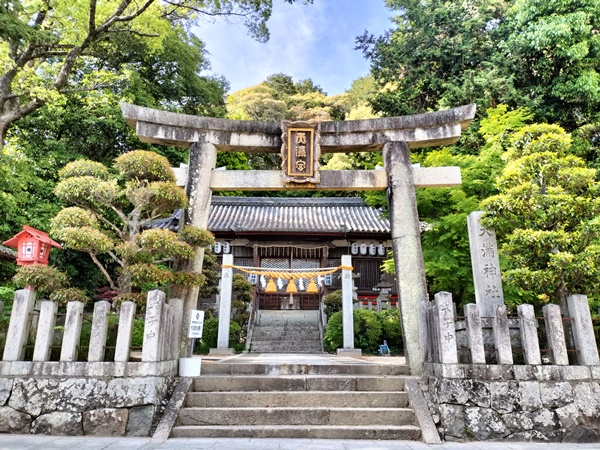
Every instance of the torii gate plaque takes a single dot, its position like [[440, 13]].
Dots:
[[394, 136]]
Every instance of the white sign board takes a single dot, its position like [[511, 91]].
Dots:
[[196, 324]]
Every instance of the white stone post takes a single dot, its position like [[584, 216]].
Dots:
[[555, 334], [529, 337], [474, 333], [347, 309], [177, 308], [225, 304], [99, 331], [406, 243], [486, 265], [502, 335], [45, 331], [583, 330], [125, 331], [72, 334], [151, 350], [203, 157], [447, 329], [18, 327]]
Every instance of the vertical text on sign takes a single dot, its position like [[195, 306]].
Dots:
[[300, 152]]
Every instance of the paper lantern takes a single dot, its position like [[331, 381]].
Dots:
[[33, 246]]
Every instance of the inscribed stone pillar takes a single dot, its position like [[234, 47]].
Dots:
[[347, 309], [225, 304], [406, 243], [486, 266], [203, 157], [18, 327], [447, 330], [153, 326]]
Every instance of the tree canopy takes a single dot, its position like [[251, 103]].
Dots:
[[50, 48]]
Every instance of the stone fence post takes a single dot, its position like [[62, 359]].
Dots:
[[444, 313], [18, 327], [529, 335], [502, 335], [153, 326], [583, 330], [125, 332], [474, 333], [555, 333]]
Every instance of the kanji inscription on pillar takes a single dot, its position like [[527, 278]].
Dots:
[[300, 151], [487, 278]]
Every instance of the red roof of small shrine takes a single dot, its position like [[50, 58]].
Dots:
[[39, 235]]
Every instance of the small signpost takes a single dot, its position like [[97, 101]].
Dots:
[[190, 366], [196, 327]]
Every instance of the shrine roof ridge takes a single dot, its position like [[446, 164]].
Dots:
[[288, 201]]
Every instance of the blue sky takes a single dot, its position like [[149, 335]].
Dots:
[[307, 41]]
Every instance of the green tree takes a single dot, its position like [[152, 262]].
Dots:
[[438, 55], [546, 214], [42, 44], [553, 54], [111, 213]]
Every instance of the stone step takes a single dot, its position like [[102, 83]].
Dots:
[[296, 416], [373, 432], [287, 317], [223, 368], [224, 383], [276, 331], [311, 346], [297, 399], [261, 335]]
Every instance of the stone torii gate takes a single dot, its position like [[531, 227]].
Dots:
[[394, 136]]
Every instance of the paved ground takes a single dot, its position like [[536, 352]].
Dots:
[[23, 442]]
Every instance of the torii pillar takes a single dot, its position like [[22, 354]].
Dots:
[[394, 136]]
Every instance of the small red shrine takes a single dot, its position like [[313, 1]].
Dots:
[[33, 246]]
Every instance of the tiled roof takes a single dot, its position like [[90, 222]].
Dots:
[[295, 215], [289, 215]]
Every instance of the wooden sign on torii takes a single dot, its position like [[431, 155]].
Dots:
[[394, 136]]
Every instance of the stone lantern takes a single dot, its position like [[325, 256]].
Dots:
[[33, 246]]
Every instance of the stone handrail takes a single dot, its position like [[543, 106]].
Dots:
[[471, 340], [159, 350]]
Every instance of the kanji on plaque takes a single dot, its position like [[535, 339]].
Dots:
[[300, 151]]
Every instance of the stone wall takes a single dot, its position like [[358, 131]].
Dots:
[[82, 406], [520, 403]]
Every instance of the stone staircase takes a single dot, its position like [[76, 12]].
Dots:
[[286, 332], [316, 401]]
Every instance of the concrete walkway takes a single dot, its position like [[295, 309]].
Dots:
[[26, 442]]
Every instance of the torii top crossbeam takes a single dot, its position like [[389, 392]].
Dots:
[[419, 130]]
